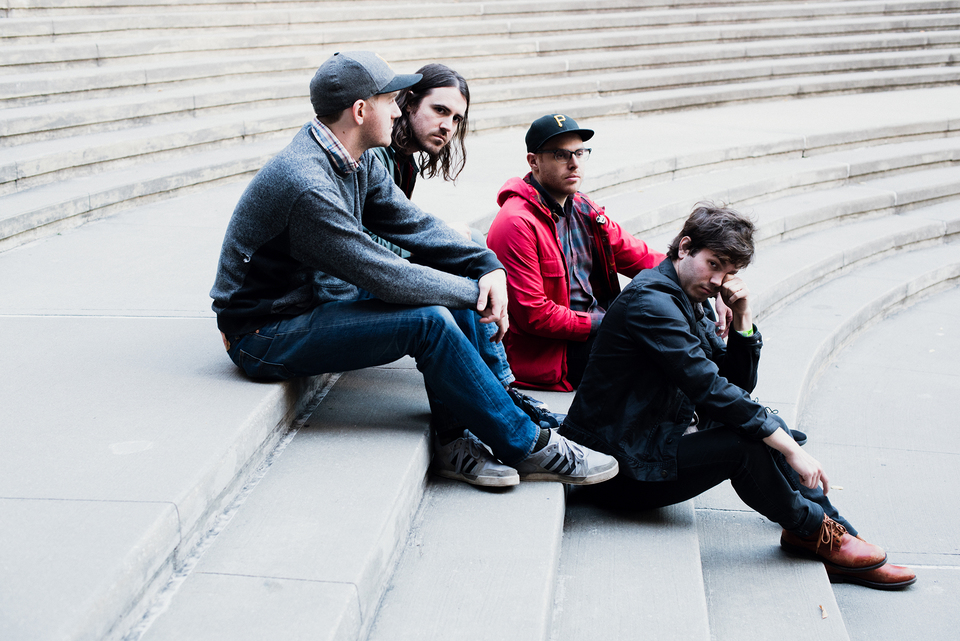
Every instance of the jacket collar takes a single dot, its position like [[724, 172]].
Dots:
[[667, 269]]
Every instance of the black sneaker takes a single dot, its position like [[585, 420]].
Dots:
[[536, 410]]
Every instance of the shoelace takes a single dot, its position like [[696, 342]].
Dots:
[[570, 453], [469, 446], [830, 532]]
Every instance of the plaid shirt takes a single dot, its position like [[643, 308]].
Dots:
[[338, 153], [576, 243]]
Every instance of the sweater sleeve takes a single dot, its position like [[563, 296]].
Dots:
[[327, 234]]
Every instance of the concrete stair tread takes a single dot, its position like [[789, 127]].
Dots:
[[138, 105], [148, 430], [620, 573], [787, 268], [806, 332], [84, 196], [298, 534], [756, 592], [478, 565], [608, 81], [656, 100], [31, 160], [120, 49], [665, 205]]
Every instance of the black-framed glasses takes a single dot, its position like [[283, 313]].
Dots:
[[564, 155]]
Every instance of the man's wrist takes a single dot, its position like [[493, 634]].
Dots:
[[743, 323]]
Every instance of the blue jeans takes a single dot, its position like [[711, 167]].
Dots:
[[493, 354], [345, 335]]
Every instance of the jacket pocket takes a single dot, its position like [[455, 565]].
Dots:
[[551, 268]]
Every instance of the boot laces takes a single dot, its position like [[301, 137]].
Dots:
[[831, 533]]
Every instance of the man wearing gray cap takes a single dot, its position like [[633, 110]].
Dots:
[[562, 255], [302, 290]]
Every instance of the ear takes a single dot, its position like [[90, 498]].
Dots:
[[683, 248], [533, 161], [358, 110]]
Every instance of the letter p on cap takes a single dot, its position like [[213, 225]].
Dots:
[[560, 118]]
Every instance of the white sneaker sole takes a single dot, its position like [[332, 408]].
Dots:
[[597, 477], [483, 481]]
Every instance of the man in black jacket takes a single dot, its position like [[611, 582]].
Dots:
[[666, 397]]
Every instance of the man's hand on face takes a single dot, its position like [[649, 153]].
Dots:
[[736, 296], [734, 293], [492, 303]]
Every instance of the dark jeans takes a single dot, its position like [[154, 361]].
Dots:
[[346, 335], [706, 459], [578, 352]]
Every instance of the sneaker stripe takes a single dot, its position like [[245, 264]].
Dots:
[[552, 464]]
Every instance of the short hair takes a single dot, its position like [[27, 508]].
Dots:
[[724, 231], [452, 157]]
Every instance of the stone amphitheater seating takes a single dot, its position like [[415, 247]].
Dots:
[[161, 112]]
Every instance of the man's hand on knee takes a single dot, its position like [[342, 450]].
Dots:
[[492, 303]]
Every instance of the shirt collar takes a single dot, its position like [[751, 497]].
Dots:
[[338, 153], [551, 203]]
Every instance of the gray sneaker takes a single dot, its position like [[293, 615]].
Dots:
[[568, 462], [466, 459]]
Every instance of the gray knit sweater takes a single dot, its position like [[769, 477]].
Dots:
[[296, 240]]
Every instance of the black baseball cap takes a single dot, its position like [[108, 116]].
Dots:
[[546, 127], [349, 76]]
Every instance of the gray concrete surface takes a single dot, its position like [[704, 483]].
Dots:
[[754, 590], [478, 565], [626, 576], [884, 415], [125, 397]]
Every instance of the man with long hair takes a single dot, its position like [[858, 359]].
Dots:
[[428, 141]]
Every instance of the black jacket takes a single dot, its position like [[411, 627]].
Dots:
[[656, 361]]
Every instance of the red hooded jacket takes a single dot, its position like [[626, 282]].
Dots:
[[524, 237]]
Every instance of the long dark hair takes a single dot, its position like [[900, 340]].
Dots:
[[451, 159]]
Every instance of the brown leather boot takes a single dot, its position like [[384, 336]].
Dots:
[[835, 547], [885, 577]]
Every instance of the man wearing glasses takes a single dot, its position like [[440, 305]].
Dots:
[[562, 255]]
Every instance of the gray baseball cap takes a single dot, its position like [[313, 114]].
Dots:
[[349, 76]]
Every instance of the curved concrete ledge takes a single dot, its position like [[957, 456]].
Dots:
[[803, 336]]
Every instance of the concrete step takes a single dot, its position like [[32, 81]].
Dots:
[[753, 590], [622, 573], [895, 377], [762, 40], [23, 124], [310, 551], [477, 565], [126, 430], [35, 164], [807, 332], [714, 96], [561, 84], [841, 179], [133, 62], [55, 207], [76, 200], [72, 25]]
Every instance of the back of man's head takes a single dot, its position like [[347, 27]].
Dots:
[[724, 231], [349, 76]]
